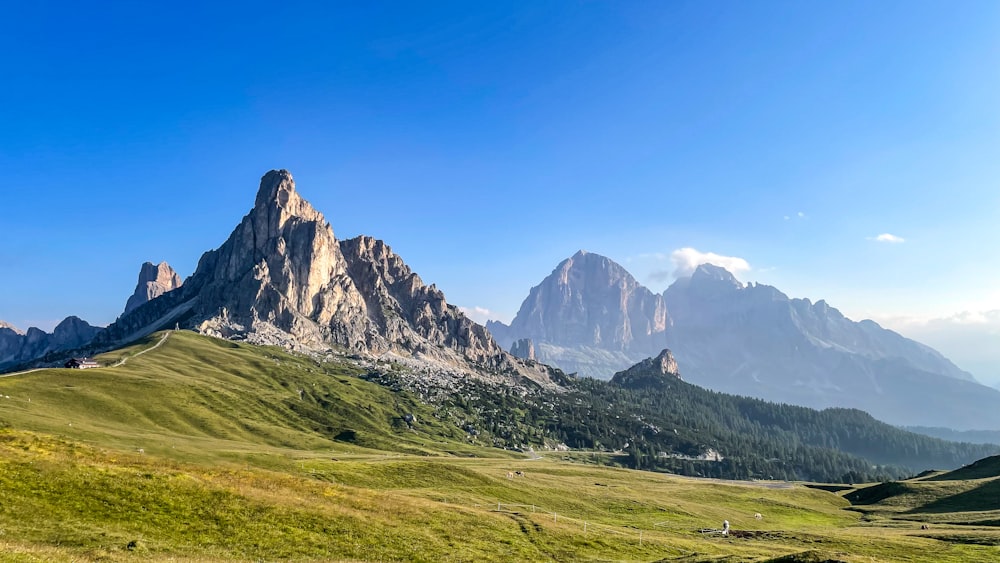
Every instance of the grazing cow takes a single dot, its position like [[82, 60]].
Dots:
[[924, 527], [510, 474], [519, 473], [758, 515]]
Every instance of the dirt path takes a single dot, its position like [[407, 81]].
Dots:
[[120, 362]]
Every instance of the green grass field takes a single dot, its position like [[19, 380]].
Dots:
[[208, 450]]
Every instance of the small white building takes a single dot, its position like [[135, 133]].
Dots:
[[82, 363]]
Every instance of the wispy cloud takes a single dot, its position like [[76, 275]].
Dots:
[[798, 215], [888, 238], [478, 314], [686, 260]]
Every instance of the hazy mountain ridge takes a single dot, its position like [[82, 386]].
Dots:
[[18, 346], [752, 339], [594, 307]]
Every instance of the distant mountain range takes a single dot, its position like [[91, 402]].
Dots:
[[18, 346], [592, 317], [283, 278]]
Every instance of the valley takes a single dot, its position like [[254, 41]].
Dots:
[[210, 450]]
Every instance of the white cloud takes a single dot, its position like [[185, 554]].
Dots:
[[687, 259], [478, 314], [886, 237]]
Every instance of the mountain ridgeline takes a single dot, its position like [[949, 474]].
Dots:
[[590, 316], [17, 347], [283, 278]]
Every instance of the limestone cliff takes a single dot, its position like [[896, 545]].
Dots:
[[283, 278], [589, 316], [154, 281]]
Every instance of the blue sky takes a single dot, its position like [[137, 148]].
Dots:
[[485, 142]]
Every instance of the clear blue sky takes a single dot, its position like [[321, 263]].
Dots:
[[485, 142]]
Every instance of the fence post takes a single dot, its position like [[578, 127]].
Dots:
[[640, 537], [555, 517], [498, 507], [532, 508], [585, 526]]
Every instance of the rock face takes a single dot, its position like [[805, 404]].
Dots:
[[17, 347], [754, 340], [524, 349], [154, 281], [649, 372], [589, 316], [745, 339], [283, 278]]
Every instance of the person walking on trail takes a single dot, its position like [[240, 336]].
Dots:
[[725, 527]]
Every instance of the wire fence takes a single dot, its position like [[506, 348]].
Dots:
[[586, 526]]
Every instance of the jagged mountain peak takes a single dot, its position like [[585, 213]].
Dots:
[[651, 371], [10, 327], [589, 300], [278, 207], [18, 347], [277, 187], [716, 275], [154, 280], [283, 278]]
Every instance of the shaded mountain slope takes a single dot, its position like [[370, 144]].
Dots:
[[589, 316], [754, 340], [17, 347], [283, 278]]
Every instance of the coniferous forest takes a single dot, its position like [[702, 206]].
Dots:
[[666, 424]]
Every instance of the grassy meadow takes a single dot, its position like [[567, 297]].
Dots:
[[209, 450]]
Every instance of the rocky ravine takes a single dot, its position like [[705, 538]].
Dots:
[[283, 278]]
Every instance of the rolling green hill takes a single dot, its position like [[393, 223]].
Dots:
[[209, 397], [208, 450]]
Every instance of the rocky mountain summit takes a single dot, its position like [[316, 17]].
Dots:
[[283, 278], [589, 316], [17, 347], [752, 339], [154, 281], [649, 372], [746, 339]]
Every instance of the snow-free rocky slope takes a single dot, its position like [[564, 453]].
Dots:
[[591, 316], [283, 278]]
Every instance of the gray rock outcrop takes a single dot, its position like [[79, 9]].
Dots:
[[523, 348], [154, 281], [649, 372], [283, 278], [589, 316]]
